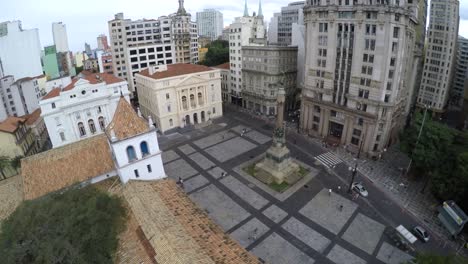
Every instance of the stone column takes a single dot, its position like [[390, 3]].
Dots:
[[280, 109]]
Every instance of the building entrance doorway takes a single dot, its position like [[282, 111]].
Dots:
[[195, 118], [336, 130]]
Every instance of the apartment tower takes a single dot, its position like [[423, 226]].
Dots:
[[441, 55]]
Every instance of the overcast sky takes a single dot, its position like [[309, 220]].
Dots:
[[86, 19]]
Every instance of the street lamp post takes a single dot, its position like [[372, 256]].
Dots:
[[417, 140], [354, 170]]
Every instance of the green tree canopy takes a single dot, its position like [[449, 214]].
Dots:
[[78, 226], [436, 259], [218, 53]]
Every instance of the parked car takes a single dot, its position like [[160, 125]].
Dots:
[[359, 188], [421, 233]]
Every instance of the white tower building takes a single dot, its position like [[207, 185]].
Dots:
[[210, 23], [59, 32], [135, 145]]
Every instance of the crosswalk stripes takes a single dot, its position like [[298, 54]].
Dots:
[[329, 159]]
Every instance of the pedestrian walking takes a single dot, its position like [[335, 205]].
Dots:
[[181, 182], [329, 191], [339, 188], [341, 208]]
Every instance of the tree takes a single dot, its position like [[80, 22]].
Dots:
[[436, 259], [4, 163], [218, 53], [77, 226]]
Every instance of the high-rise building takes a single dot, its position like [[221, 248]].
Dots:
[[88, 50], [184, 35], [265, 69], [59, 32], [273, 29], [50, 61], [441, 54], [20, 50], [20, 97], [359, 68], [102, 43], [460, 81], [293, 13], [136, 45], [244, 31], [210, 23]]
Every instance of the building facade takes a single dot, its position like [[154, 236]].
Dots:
[[50, 60], [16, 138], [20, 97], [265, 69], [225, 80], [91, 65], [244, 31], [441, 55], [19, 47], [358, 71], [273, 29], [35, 122], [293, 13], [460, 81], [184, 36], [102, 43], [136, 45], [180, 95], [83, 108], [59, 33], [210, 23]]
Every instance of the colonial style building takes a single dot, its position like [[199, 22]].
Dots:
[[83, 108], [264, 70], [359, 57], [16, 138], [180, 94]]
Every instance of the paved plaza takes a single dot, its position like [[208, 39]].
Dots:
[[310, 225]]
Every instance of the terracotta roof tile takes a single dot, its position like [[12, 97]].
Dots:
[[126, 123], [10, 124], [176, 70], [61, 167], [224, 66], [31, 118], [177, 229], [53, 93]]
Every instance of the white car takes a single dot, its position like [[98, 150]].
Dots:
[[421, 233], [359, 188]]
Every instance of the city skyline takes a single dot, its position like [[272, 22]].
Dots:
[[88, 20]]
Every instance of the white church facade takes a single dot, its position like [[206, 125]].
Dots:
[[83, 108]]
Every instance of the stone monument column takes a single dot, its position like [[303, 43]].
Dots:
[[280, 100]]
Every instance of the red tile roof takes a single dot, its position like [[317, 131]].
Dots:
[[55, 92], [176, 70], [126, 123], [224, 66], [11, 124], [31, 118]]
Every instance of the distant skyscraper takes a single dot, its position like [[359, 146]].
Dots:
[[441, 53], [88, 50], [289, 15], [273, 29], [59, 32], [102, 43], [20, 50], [210, 23], [460, 81]]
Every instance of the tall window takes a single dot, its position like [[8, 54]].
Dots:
[[102, 123], [62, 136], [171, 122], [200, 99], [184, 102], [131, 154], [192, 101], [144, 148], [92, 127], [82, 129]]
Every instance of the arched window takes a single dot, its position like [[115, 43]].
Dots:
[[102, 123], [193, 104], [171, 122], [200, 99], [131, 154], [184, 102], [82, 129], [144, 148], [92, 127]]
